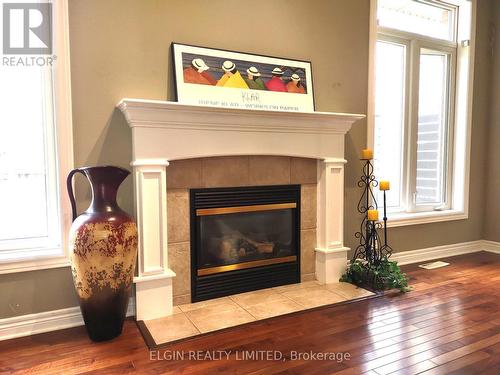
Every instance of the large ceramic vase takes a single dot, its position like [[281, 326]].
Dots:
[[103, 249]]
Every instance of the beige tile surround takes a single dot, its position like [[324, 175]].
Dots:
[[183, 175], [193, 319]]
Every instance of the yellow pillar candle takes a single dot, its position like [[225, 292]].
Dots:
[[385, 185], [366, 154], [373, 215]]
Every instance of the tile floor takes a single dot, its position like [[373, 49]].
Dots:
[[195, 318]]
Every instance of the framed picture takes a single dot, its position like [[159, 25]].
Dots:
[[229, 79]]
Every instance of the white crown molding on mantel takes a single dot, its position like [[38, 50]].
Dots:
[[139, 112], [166, 131], [187, 131]]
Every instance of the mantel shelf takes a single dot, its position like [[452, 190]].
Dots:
[[171, 130], [147, 113]]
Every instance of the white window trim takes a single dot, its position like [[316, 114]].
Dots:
[[419, 45], [462, 134], [45, 258]]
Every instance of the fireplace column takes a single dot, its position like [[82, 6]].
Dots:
[[331, 255], [153, 285]]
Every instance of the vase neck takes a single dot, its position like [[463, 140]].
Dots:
[[105, 182]]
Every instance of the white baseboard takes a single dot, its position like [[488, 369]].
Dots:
[[491, 246], [437, 252], [32, 324], [422, 255]]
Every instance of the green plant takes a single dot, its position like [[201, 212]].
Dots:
[[386, 275]]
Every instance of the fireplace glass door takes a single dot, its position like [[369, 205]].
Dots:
[[244, 239]]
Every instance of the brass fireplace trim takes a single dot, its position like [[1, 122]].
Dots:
[[242, 266], [237, 209]]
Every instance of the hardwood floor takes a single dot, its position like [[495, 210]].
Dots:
[[449, 323]]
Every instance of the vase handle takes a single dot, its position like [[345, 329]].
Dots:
[[69, 185]]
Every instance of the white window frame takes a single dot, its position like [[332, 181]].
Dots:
[[460, 113], [37, 256]]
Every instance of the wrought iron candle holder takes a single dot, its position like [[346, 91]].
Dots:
[[370, 247], [385, 248]]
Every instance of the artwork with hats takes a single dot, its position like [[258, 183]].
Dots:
[[220, 78]]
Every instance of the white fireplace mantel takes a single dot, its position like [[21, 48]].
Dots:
[[165, 131]]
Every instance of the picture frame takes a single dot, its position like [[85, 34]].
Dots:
[[238, 80]]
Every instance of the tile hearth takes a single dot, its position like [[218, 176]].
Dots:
[[193, 319]]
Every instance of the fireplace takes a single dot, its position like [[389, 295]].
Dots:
[[243, 239], [164, 132]]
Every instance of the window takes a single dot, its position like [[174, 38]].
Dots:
[[420, 111], [35, 143]]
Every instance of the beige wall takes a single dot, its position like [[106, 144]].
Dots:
[[492, 226], [120, 48]]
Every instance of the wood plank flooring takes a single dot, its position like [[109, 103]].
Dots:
[[449, 324]]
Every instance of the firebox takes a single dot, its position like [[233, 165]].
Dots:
[[244, 239]]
